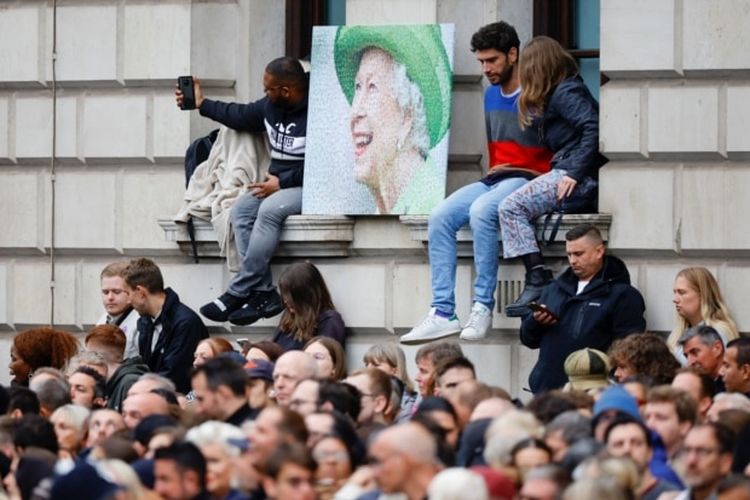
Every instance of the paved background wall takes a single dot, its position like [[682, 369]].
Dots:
[[672, 119], [672, 125]]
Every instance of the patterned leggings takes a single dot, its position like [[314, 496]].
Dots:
[[518, 212]]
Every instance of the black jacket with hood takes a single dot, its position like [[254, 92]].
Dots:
[[182, 330], [607, 309], [284, 125]]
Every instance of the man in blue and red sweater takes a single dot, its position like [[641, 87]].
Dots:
[[515, 157], [258, 215]]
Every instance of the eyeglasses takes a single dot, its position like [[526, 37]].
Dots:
[[700, 451], [296, 403], [330, 456]]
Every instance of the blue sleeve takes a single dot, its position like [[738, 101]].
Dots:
[[246, 117], [573, 102]]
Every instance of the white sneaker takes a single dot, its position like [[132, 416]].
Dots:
[[432, 327], [478, 324]]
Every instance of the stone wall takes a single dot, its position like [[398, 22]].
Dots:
[[672, 125]]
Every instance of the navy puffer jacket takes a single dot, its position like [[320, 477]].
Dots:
[[607, 309]]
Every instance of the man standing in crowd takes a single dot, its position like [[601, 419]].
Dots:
[[180, 472], [704, 351], [735, 371], [168, 330], [257, 216], [119, 311], [626, 437], [515, 157], [405, 460], [590, 305], [707, 454], [452, 372], [219, 388], [699, 386], [290, 368], [109, 341], [671, 413]]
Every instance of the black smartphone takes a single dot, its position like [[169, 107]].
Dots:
[[185, 83], [535, 306]]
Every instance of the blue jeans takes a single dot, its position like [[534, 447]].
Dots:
[[476, 204], [257, 226]]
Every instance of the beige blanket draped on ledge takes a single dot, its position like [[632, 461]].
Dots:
[[236, 159]]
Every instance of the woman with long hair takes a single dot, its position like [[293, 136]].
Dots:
[[698, 301], [390, 358], [309, 311], [553, 97]]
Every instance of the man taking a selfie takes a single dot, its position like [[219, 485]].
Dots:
[[258, 215]]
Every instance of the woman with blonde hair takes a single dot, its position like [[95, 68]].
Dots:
[[390, 358], [71, 424], [698, 301], [555, 99]]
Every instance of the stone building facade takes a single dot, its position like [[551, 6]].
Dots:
[[671, 123]]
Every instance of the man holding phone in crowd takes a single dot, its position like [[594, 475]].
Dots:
[[258, 215], [590, 305]]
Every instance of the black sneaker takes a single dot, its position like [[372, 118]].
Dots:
[[259, 305], [220, 309], [536, 280]]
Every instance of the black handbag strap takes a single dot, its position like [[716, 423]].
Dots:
[[553, 226]]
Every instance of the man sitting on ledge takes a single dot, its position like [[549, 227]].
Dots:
[[258, 215]]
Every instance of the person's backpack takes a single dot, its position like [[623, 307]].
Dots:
[[583, 200], [196, 154]]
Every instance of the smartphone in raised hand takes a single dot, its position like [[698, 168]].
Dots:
[[185, 84]]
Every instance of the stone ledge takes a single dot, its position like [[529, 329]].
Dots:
[[418, 229], [302, 236], [332, 236]]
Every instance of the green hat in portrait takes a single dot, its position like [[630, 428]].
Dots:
[[419, 48]]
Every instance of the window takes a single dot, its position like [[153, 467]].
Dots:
[[575, 24], [302, 15]]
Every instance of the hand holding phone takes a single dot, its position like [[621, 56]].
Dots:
[[542, 314], [185, 90]]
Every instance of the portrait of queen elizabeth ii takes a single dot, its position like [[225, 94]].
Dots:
[[378, 120]]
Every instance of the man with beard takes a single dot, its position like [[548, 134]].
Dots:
[[515, 157], [258, 215]]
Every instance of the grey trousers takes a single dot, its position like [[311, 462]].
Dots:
[[256, 223]]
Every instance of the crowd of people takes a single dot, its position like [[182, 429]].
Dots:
[[149, 405], [192, 416]]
